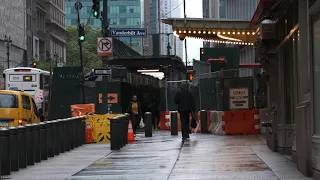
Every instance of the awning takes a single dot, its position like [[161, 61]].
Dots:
[[214, 30]]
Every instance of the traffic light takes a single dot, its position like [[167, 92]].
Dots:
[[81, 32], [190, 75], [34, 65], [96, 8]]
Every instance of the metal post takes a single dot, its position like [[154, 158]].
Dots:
[[168, 46], [14, 148], [8, 40], [80, 47], [148, 124], [174, 123], [105, 28], [203, 121], [185, 40]]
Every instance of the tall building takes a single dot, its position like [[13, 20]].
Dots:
[[151, 45], [232, 10], [170, 9], [12, 20], [45, 27], [56, 33], [122, 14]]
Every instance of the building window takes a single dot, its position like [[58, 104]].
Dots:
[[123, 9], [123, 21], [316, 75], [73, 22]]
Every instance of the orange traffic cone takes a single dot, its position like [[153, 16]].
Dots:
[[130, 132]]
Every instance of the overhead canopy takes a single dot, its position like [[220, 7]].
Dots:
[[214, 30], [149, 62]]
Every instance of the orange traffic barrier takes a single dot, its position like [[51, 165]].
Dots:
[[82, 109], [162, 123], [167, 120], [130, 132], [241, 122]]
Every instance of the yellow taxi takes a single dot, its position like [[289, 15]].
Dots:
[[17, 108]]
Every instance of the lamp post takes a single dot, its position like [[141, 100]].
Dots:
[[8, 40], [168, 46], [56, 56]]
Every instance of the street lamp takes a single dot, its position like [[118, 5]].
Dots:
[[168, 47], [56, 56], [8, 40]]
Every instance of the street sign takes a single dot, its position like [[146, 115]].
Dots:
[[112, 98], [102, 72], [129, 32], [239, 98], [104, 46]]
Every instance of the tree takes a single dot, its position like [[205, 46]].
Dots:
[[89, 50]]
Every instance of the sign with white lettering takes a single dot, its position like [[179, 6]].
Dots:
[[239, 98], [129, 32], [102, 72]]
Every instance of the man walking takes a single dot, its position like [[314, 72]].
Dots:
[[185, 101]]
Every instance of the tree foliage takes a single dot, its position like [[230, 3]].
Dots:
[[89, 50]]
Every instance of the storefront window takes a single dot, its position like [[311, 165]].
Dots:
[[316, 66]]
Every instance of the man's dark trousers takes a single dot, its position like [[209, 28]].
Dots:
[[184, 117]]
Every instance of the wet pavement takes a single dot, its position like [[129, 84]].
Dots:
[[203, 157], [64, 165]]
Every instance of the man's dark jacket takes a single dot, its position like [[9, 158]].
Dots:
[[185, 101]]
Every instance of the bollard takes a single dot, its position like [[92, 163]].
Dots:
[[124, 129], [203, 121], [56, 137], [61, 136], [66, 135], [82, 130], [75, 132], [70, 133], [29, 141], [50, 140], [174, 123], [122, 139], [43, 141], [22, 138], [14, 148], [115, 139], [127, 117], [5, 151], [36, 143], [148, 124]]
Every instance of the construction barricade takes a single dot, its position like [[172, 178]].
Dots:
[[99, 129], [216, 124], [84, 109], [240, 122]]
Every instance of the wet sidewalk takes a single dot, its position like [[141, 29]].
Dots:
[[64, 165], [204, 157]]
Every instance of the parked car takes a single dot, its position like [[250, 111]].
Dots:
[[17, 108]]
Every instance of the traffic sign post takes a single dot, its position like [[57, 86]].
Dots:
[[105, 47]]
